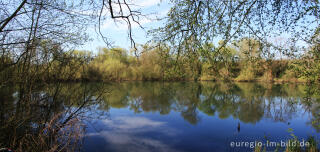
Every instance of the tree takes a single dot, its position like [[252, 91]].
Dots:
[[250, 55], [308, 65], [26, 26], [205, 21]]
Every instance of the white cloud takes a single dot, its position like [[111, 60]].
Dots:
[[147, 3], [121, 25], [140, 5]]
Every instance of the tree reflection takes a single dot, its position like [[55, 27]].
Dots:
[[46, 112], [48, 118], [248, 102]]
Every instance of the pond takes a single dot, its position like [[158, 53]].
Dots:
[[173, 116]]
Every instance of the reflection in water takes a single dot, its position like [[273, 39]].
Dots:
[[217, 112], [123, 134], [48, 118], [146, 116], [249, 102]]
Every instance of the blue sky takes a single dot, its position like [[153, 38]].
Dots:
[[117, 31]]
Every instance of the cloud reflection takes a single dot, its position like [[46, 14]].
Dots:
[[125, 122], [126, 133]]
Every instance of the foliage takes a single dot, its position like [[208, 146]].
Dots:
[[239, 62]]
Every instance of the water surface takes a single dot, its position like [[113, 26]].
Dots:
[[154, 116], [169, 116]]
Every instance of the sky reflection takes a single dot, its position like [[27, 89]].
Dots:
[[199, 117]]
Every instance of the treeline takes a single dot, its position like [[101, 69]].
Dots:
[[243, 61]]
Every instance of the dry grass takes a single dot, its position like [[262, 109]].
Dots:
[[54, 136]]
